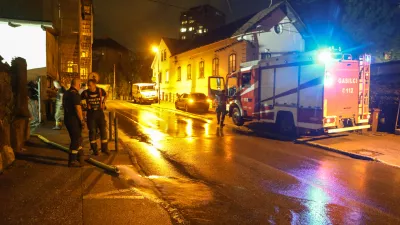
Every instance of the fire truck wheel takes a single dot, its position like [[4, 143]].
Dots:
[[236, 117], [286, 123]]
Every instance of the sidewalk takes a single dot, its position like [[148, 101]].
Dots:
[[381, 147], [40, 188]]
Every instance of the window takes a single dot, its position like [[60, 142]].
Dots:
[[191, 28], [232, 63], [183, 29], [70, 66], [191, 21], [200, 31], [179, 74], [183, 37], [205, 30], [184, 22], [201, 69], [215, 67], [165, 54], [166, 77], [246, 80], [189, 72]]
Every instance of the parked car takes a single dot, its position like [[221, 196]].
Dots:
[[193, 101], [144, 93]]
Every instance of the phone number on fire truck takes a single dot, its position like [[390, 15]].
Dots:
[[347, 90]]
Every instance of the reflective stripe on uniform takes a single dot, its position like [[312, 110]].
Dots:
[[92, 142], [74, 151], [104, 141]]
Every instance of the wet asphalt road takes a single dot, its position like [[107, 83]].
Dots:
[[215, 176]]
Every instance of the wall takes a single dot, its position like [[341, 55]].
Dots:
[[52, 55]]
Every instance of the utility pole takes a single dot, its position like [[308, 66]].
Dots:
[[114, 86]]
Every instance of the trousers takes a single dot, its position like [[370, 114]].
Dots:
[[59, 115], [96, 121], [74, 128], [221, 112]]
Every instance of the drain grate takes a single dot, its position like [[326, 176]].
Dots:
[[367, 152]]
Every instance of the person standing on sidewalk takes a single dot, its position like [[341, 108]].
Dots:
[[94, 98], [83, 88], [221, 108], [59, 116], [73, 118]]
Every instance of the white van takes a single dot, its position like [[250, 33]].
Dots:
[[144, 93]]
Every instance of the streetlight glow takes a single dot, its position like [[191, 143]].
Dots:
[[154, 49]]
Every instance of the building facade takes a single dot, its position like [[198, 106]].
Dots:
[[184, 67], [199, 20]]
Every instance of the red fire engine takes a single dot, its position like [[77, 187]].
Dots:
[[314, 91]]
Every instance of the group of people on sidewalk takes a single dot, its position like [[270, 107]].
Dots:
[[82, 107]]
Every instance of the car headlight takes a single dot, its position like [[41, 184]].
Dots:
[[191, 101]]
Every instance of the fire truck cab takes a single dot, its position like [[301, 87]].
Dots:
[[313, 91]]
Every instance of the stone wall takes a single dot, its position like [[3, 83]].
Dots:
[[14, 113], [6, 109]]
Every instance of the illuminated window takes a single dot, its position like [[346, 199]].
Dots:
[[70, 66], [183, 29], [191, 21], [215, 67], [189, 72], [191, 28], [201, 69], [184, 22], [84, 73], [200, 31], [205, 30], [179, 74], [200, 27], [167, 77], [84, 54], [87, 9], [232, 63], [183, 37]]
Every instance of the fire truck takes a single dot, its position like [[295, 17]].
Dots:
[[324, 91]]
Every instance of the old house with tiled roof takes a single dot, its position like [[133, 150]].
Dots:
[[183, 66]]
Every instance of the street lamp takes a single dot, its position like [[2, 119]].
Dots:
[[157, 52]]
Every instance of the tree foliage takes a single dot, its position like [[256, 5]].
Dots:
[[373, 24]]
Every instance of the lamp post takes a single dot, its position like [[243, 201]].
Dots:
[[157, 52]]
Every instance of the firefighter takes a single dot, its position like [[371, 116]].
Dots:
[[73, 118], [94, 98], [221, 107], [59, 115]]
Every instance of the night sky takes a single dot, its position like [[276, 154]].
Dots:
[[137, 24]]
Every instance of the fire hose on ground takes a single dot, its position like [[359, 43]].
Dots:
[[94, 162]]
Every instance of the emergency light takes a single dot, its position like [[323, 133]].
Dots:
[[325, 56]]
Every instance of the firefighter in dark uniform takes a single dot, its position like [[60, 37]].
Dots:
[[221, 100], [94, 98], [73, 119]]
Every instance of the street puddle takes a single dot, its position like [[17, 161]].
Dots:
[[183, 193], [178, 192]]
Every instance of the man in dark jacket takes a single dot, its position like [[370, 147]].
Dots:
[[73, 118], [221, 107], [94, 98]]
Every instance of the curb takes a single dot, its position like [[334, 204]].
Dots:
[[352, 155]]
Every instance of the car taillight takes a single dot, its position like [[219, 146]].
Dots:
[[366, 117], [329, 120]]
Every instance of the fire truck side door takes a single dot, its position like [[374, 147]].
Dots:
[[247, 97], [215, 86]]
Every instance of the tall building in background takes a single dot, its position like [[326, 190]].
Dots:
[[74, 25], [199, 20]]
